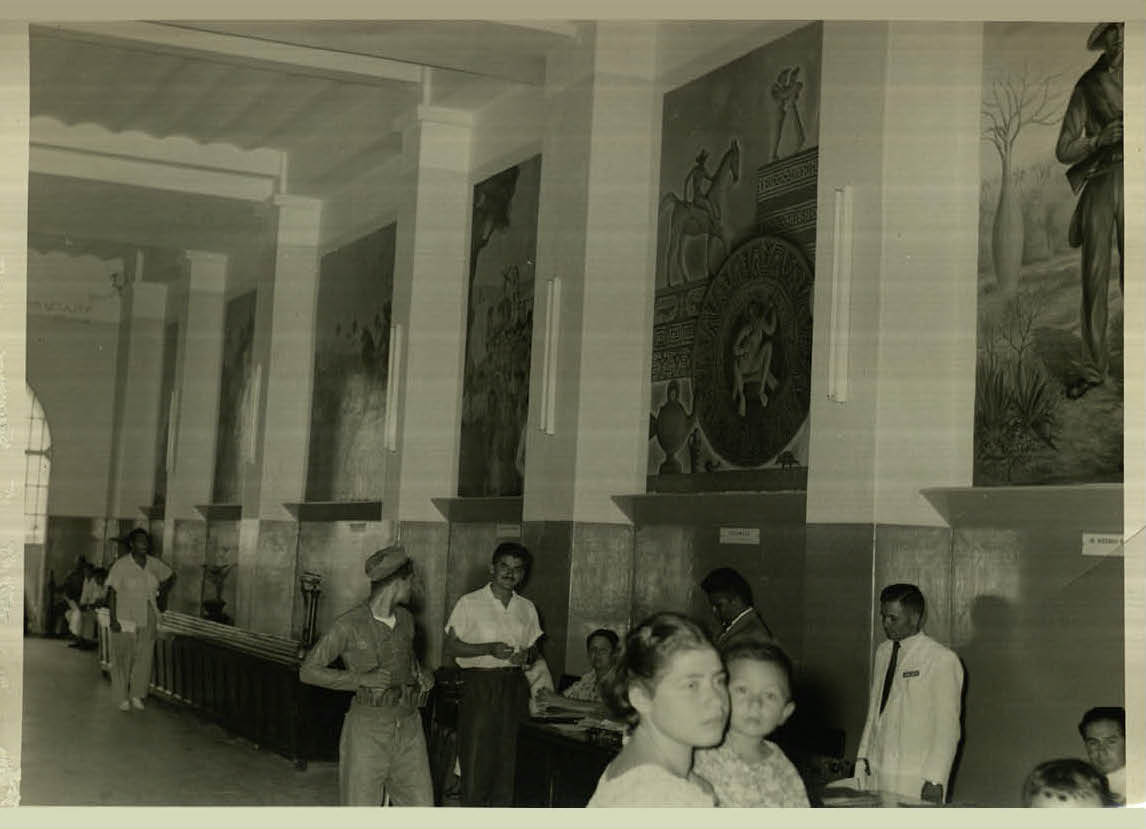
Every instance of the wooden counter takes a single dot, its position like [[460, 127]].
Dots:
[[558, 765]]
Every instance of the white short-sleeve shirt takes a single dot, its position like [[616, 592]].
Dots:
[[480, 616], [136, 587]]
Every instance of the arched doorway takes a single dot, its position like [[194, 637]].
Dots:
[[37, 476]]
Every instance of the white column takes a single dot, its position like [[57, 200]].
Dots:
[[284, 376], [284, 358], [136, 440], [196, 410], [430, 305]]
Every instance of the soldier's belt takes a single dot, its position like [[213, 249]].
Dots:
[[396, 695]]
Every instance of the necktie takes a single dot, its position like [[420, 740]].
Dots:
[[889, 675]]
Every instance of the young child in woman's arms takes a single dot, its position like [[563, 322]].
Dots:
[[747, 769]]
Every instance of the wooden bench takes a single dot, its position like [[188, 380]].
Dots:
[[245, 681]]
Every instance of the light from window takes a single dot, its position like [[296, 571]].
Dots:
[[37, 469]]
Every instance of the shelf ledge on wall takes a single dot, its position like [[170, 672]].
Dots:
[[220, 512], [503, 509], [153, 512], [328, 511], [1088, 507], [716, 508]]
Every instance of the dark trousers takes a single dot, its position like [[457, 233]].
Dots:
[[493, 703]]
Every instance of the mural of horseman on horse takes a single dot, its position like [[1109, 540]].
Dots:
[[700, 213]]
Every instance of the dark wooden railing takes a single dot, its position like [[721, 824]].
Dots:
[[248, 683]]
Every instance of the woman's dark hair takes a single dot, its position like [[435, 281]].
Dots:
[[758, 651], [1067, 779], [648, 648], [604, 633]]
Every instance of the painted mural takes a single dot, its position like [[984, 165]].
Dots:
[[235, 393], [166, 387], [351, 365], [499, 332], [736, 237], [1049, 373]]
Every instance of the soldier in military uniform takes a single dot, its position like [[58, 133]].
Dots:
[[383, 748]]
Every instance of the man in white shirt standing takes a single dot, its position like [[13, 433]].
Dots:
[[912, 728], [492, 634], [135, 585]]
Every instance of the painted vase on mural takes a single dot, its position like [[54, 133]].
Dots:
[[672, 426]]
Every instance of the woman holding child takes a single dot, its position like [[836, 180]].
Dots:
[[673, 690], [670, 687]]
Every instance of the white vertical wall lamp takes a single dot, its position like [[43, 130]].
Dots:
[[841, 316], [392, 380], [548, 418]]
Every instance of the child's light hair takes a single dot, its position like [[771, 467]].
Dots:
[[1068, 779], [759, 651]]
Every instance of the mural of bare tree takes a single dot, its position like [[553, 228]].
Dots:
[[1013, 103], [492, 199]]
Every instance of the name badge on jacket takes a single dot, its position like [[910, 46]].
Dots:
[[908, 674]]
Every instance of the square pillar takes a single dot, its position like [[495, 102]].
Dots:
[[196, 411], [284, 376]]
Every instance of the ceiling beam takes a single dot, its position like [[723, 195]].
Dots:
[[45, 131], [248, 51], [136, 172], [563, 28]]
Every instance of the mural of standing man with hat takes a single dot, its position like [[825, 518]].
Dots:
[[382, 750], [1090, 140]]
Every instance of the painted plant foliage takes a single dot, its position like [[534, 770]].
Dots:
[[236, 390], [736, 237], [352, 353], [1049, 373], [499, 332]]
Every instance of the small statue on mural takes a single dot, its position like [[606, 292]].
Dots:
[[786, 93], [671, 427], [1090, 141], [699, 214], [752, 356]]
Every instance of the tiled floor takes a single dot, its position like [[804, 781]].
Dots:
[[79, 749]]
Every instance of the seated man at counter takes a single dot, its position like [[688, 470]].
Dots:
[[601, 646], [1103, 733], [492, 635]]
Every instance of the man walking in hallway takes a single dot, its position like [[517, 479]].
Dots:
[[134, 585], [382, 750]]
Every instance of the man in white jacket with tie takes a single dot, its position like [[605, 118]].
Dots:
[[912, 728]]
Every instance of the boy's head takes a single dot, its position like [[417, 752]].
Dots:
[[759, 688], [1065, 784], [1103, 733]]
